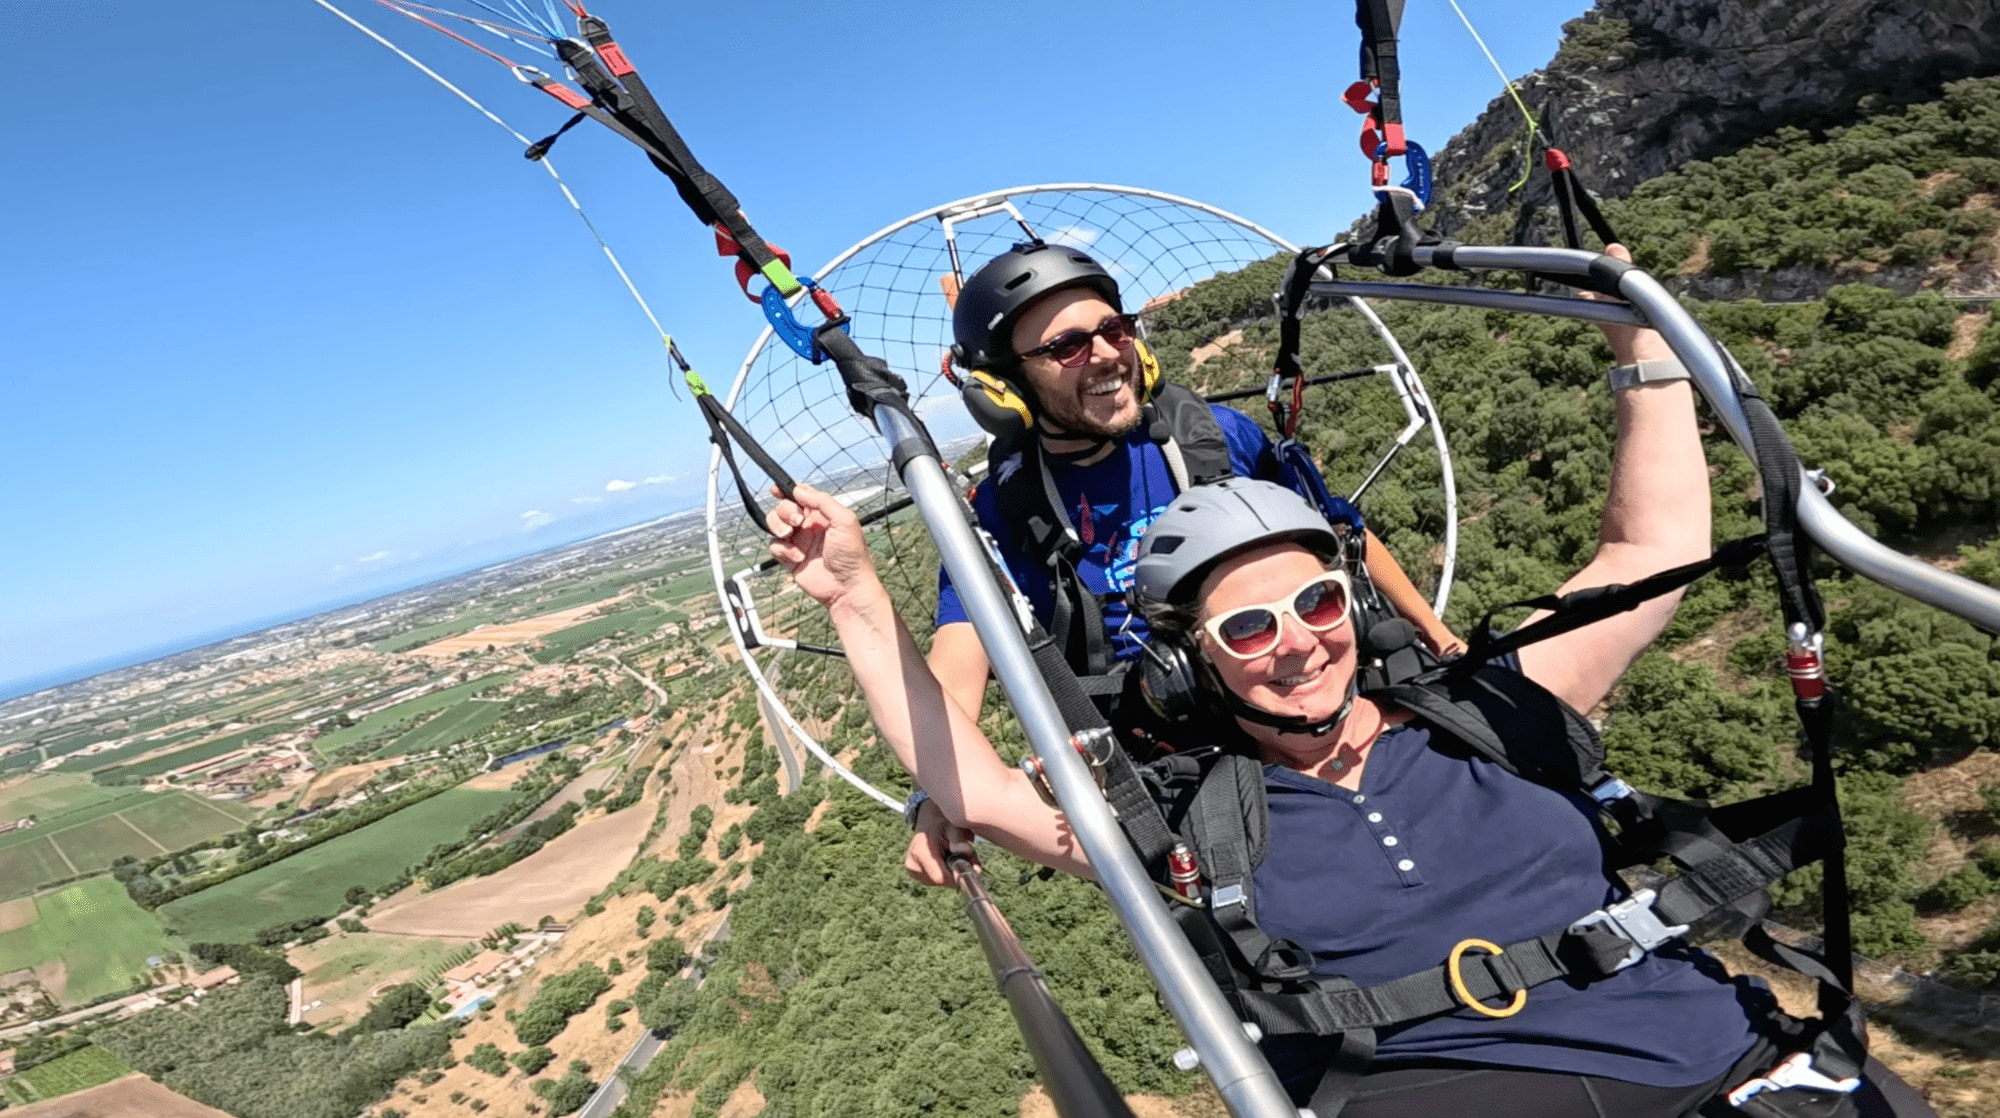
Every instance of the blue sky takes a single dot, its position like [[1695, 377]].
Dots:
[[286, 324]]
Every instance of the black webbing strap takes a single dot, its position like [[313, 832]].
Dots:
[[1579, 608], [1572, 198], [1379, 21], [1392, 248], [1298, 281], [634, 106], [722, 429]]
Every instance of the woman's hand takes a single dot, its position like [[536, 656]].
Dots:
[[819, 541], [1630, 344]]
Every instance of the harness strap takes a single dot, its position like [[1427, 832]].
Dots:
[[1573, 198], [1579, 608], [634, 105], [722, 429]]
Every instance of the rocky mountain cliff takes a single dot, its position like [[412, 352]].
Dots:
[[1640, 87]]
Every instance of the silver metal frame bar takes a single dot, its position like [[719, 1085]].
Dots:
[[1247, 1085], [1716, 377]]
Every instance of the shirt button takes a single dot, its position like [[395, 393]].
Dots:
[[1389, 841], [1374, 817], [1358, 798], [1406, 865]]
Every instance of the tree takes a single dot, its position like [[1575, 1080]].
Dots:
[[489, 1059], [398, 1006], [533, 1060], [568, 1094]]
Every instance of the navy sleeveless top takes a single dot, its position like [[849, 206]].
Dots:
[[1434, 848]]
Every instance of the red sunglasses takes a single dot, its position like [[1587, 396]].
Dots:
[[1071, 348]]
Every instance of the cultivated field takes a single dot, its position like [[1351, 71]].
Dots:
[[87, 940], [389, 717], [91, 837], [506, 634], [80, 1070], [313, 882], [554, 881], [49, 795], [174, 759], [132, 1097], [453, 726], [637, 622]]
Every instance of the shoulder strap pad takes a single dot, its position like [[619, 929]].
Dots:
[[1041, 532], [1510, 720], [1179, 413]]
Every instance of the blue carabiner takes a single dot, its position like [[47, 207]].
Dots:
[[1419, 181], [779, 314]]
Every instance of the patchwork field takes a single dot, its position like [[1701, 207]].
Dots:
[[554, 881], [80, 1070], [313, 882], [87, 940], [91, 837], [50, 795], [507, 633], [389, 717], [639, 621], [215, 747], [454, 725]]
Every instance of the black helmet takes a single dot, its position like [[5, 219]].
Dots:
[[992, 300]]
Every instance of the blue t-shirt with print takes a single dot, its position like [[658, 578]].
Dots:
[[1111, 503], [1435, 847]]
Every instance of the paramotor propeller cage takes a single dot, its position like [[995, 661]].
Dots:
[[890, 283]]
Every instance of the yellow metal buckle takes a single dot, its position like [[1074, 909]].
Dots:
[[1455, 960]]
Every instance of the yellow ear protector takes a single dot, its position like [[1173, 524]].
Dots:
[[1003, 409]]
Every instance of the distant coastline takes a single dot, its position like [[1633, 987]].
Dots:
[[12, 689]]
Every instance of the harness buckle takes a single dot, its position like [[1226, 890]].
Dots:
[[1632, 919], [1453, 967], [1795, 1070], [1610, 790]]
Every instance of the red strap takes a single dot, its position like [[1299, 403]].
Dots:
[[1398, 146], [1357, 96]]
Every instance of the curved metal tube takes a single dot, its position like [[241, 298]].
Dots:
[[1247, 1085], [1715, 377]]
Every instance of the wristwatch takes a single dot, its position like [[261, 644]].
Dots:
[[1657, 371], [913, 805]]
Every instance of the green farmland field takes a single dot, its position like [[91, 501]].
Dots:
[[206, 750], [312, 882], [81, 1069], [50, 795], [87, 940], [403, 642], [382, 720], [127, 752], [453, 726], [637, 622], [91, 837]]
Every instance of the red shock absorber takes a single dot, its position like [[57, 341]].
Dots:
[[1804, 663], [1183, 872]]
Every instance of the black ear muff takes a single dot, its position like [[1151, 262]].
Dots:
[[1149, 371], [996, 406], [1170, 681]]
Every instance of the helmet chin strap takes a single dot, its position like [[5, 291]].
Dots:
[[1291, 723]]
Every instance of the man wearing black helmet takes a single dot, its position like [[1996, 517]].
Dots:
[[1090, 445]]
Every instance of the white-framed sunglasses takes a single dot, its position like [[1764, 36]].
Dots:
[[1320, 604]]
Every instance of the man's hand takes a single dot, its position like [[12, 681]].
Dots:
[[819, 541], [931, 848]]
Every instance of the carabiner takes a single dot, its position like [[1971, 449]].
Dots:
[[1417, 184], [779, 314]]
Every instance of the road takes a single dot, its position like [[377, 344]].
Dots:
[[612, 1091], [781, 740]]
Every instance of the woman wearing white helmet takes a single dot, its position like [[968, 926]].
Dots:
[[1381, 850]]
